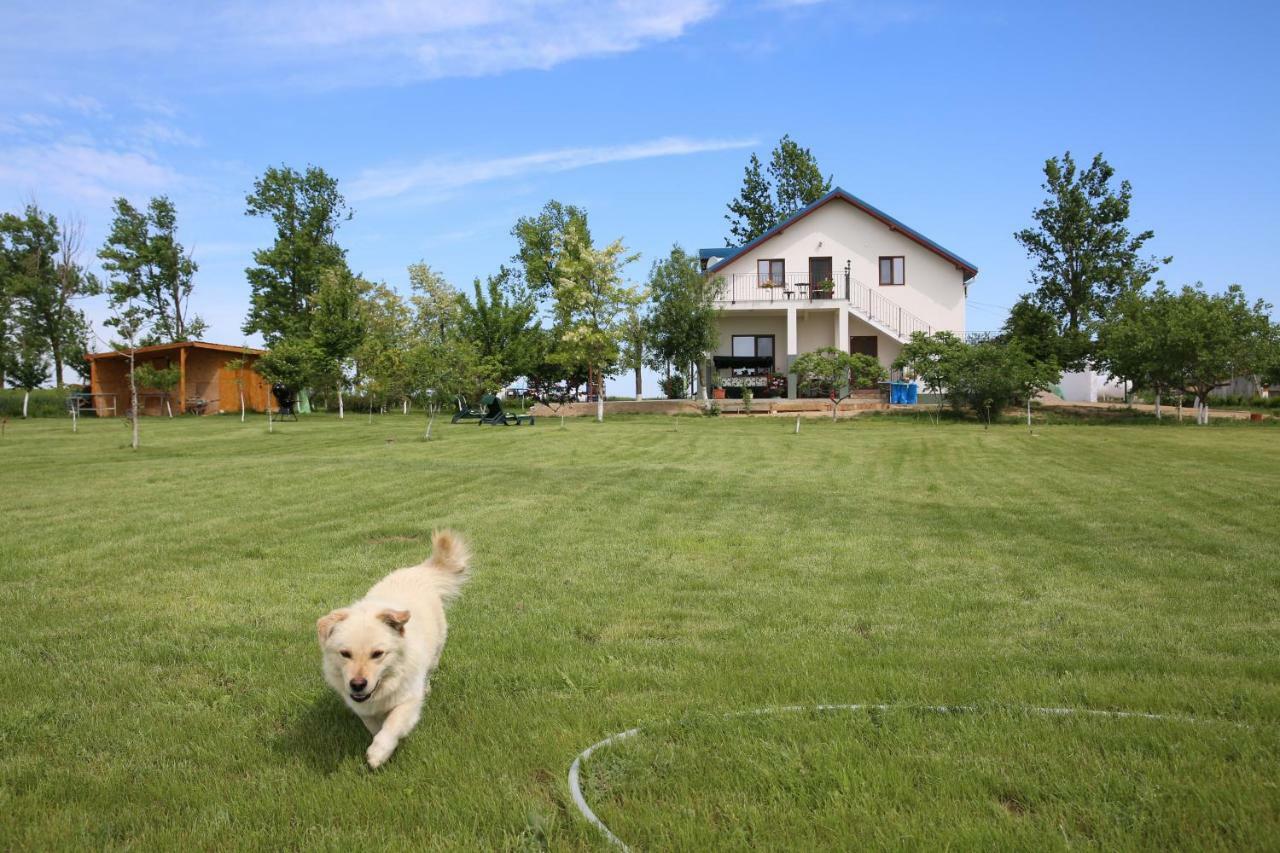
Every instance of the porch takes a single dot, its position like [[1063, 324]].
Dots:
[[757, 347]]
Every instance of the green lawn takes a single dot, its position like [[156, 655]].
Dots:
[[162, 685]]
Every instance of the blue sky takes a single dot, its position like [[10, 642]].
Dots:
[[446, 121]]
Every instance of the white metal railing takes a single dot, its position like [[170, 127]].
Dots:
[[796, 287]]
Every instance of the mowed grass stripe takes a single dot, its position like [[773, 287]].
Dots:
[[159, 611]]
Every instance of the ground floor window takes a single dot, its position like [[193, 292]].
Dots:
[[753, 346]]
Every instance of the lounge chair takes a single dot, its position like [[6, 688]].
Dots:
[[494, 415], [465, 412]]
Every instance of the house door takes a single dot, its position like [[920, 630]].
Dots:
[[819, 272], [865, 344]]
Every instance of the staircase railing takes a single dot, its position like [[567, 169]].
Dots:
[[796, 287]]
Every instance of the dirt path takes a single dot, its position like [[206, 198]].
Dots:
[[1050, 401]]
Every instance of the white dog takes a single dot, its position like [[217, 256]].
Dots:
[[379, 653]]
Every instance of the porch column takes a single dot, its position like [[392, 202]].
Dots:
[[842, 329], [792, 350]]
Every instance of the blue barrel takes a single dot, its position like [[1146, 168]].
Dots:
[[912, 393]]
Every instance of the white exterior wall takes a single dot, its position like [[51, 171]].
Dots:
[[934, 289], [755, 323]]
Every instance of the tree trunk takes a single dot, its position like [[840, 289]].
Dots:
[[241, 392], [75, 418], [133, 400], [599, 396], [1157, 405], [1028, 413], [639, 386], [57, 366], [270, 422], [341, 412], [26, 395], [835, 407], [797, 424], [168, 407], [431, 419], [404, 404]]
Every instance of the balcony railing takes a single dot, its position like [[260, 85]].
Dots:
[[797, 287]]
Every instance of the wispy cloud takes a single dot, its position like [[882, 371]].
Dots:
[[437, 177], [336, 43], [82, 173]]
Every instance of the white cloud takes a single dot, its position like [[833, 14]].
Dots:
[[82, 174], [336, 43], [160, 133], [437, 177]]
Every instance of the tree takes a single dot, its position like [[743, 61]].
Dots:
[[1084, 255], [44, 279], [436, 303], [797, 180], [501, 325], [589, 298], [682, 317], [1213, 337], [381, 359], [337, 327], [548, 243], [28, 369], [989, 377], [1133, 343], [634, 336], [306, 209], [794, 182], [237, 366], [753, 212], [838, 374], [293, 362], [162, 379], [130, 320], [932, 359], [145, 262]]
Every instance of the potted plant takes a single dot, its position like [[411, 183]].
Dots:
[[717, 390], [748, 394], [824, 289]]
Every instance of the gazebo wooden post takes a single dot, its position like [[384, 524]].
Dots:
[[182, 380]]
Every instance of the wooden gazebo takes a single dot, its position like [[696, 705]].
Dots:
[[205, 384]]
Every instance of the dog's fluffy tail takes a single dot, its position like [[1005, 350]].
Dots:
[[450, 558]]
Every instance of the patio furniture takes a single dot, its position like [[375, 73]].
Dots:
[[465, 412], [494, 415], [286, 401], [197, 405]]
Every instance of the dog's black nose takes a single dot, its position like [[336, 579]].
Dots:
[[359, 684]]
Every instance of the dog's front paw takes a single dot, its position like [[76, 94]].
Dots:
[[377, 754]]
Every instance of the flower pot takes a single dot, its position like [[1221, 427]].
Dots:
[[1255, 416], [717, 393]]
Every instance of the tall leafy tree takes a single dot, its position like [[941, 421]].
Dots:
[[753, 212], [306, 209], [337, 327], [1133, 343], [145, 262], [794, 181], [436, 303], [589, 300], [548, 243], [500, 321], [44, 279], [797, 180], [1084, 255], [682, 316], [634, 337]]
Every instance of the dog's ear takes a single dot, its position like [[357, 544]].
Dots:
[[324, 625], [395, 618]]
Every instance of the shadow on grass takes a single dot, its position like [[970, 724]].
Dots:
[[324, 735]]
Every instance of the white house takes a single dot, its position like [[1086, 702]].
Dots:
[[838, 273]]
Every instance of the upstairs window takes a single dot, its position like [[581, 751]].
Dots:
[[771, 270], [893, 270]]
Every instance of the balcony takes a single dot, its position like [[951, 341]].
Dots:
[[752, 289], [794, 286]]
